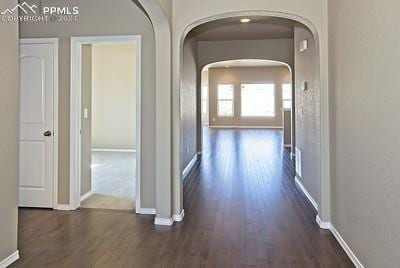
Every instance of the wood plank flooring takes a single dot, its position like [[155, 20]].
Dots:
[[242, 210]]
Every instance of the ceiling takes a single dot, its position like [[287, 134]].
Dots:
[[232, 29], [244, 63]]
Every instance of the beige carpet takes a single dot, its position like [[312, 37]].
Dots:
[[108, 202], [113, 181]]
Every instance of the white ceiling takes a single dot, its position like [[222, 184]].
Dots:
[[232, 29], [244, 63]]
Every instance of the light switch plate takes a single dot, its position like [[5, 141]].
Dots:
[[303, 86], [303, 45], [85, 113]]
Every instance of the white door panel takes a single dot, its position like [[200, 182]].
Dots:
[[36, 177]]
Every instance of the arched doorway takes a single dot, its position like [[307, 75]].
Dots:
[[323, 159]]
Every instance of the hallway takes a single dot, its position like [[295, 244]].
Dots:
[[242, 209]]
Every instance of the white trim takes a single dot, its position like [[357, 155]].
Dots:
[[75, 109], [87, 195], [163, 221], [169, 221], [346, 247], [54, 42], [307, 194], [323, 224], [146, 211], [257, 127], [55, 124], [63, 207], [189, 166], [9, 260], [287, 145], [114, 150], [179, 217], [329, 226]]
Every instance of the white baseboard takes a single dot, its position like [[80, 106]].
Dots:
[[169, 221], [189, 167], [88, 194], [309, 197], [9, 260], [329, 226], [63, 207], [163, 221], [323, 224], [346, 247], [114, 150], [146, 211], [179, 217], [258, 127]]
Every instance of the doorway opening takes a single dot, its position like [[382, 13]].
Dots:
[[232, 99], [105, 122], [246, 93]]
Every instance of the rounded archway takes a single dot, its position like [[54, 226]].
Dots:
[[162, 31], [324, 155], [243, 64]]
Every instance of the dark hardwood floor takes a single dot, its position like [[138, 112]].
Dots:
[[242, 210]]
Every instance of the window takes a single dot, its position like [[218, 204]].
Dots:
[[225, 100], [287, 96], [258, 100]]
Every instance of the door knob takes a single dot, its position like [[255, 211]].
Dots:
[[47, 133]]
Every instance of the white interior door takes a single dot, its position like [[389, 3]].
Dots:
[[36, 144]]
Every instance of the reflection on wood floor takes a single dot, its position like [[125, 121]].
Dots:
[[242, 210]]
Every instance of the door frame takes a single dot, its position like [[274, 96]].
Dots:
[[54, 42], [75, 110]]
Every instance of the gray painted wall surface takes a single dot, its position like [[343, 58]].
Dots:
[[9, 133], [364, 71], [270, 49], [113, 18], [308, 115], [249, 75], [287, 127], [189, 103], [86, 99]]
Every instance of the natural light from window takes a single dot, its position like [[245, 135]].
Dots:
[[225, 100], [258, 99]]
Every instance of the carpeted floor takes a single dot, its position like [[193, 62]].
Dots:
[[113, 178]]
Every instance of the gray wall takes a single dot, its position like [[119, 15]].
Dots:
[[86, 99], [308, 119], [364, 71], [188, 97], [113, 18], [9, 134], [269, 49], [237, 76], [287, 127]]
